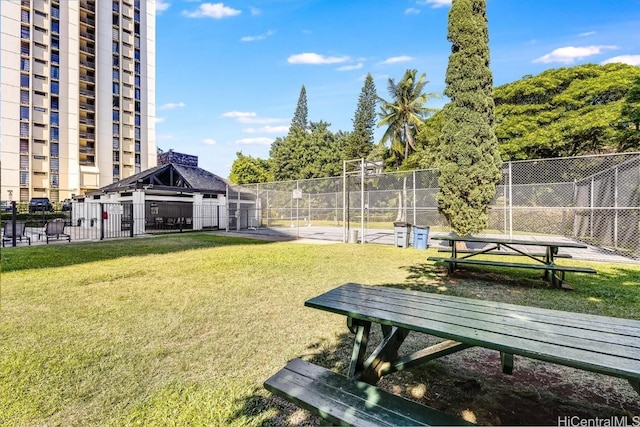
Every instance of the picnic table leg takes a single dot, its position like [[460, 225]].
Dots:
[[507, 362], [362, 329], [636, 385], [374, 367]]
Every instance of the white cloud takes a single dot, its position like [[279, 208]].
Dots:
[[172, 106], [350, 67], [258, 37], [568, 55], [161, 6], [397, 59], [259, 120], [587, 34], [209, 141], [213, 10], [624, 59], [160, 119], [238, 114], [254, 141], [435, 3], [267, 129], [412, 11], [314, 58]]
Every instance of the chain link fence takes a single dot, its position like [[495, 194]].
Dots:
[[595, 199]]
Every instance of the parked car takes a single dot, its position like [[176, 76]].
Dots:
[[5, 206], [66, 205], [39, 204]]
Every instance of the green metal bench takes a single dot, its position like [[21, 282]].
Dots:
[[553, 269], [344, 401]]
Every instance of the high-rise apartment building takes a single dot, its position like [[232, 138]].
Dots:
[[77, 105]]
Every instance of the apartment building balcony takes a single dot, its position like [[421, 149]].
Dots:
[[89, 21], [87, 6], [87, 107], [87, 35], [91, 151], [88, 64], [87, 49], [90, 93], [87, 121], [87, 78], [87, 135]]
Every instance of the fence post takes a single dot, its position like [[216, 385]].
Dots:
[[101, 221], [131, 234], [591, 207], [510, 201], [13, 223], [414, 198], [615, 208]]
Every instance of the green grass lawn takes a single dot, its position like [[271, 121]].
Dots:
[[183, 329]]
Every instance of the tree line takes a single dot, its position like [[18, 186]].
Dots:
[[585, 109]]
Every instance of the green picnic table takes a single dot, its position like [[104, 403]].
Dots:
[[544, 260]]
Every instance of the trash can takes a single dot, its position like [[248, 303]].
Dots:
[[353, 236], [420, 236], [402, 231]]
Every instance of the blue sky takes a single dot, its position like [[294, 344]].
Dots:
[[228, 75]]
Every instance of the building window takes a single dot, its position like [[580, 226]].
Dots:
[[24, 97], [54, 164], [136, 54], [24, 162], [115, 74], [55, 42], [115, 35], [116, 156], [55, 88], [137, 146], [136, 16], [38, 157], [137, 120], [24, 17], [24, 80], [116, 89], [54, 119], [116, 143], [54, 150], [137, 107], [116, 129], [54, 103], [55, 72], [137, 159], [116, 115], [116, 61], [24, 113], [24, 145], [55, 134], [137, 133], [136, 80], [24, 130], [40, 109], [136, 67], [116, 171], [54, 181], [55, 26], [115, 21], [116, 101], [137, 94], [24, 178], [55, 58], [55, 11], [24, 48], [24, 32], [115, 47]]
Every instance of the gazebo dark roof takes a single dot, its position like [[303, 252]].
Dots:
[[172, 177]]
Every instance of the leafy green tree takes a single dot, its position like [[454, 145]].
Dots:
[[360, 142], [249, 170], [300, 117], [630, 119], [469, 162], [565, 112], [404, 113]]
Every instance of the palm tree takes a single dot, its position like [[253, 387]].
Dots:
[[405, 112], [403, 116]]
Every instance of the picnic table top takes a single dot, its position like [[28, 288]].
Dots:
[[507, 241], [594, 343]]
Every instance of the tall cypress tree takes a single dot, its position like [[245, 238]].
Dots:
[[360, 142], [300, 121], [468, 160]]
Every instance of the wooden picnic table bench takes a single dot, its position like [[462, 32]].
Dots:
[[600, 344], [544, 261]]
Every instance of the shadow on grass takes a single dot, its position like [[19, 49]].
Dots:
[[50, 256], [471, 382]]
